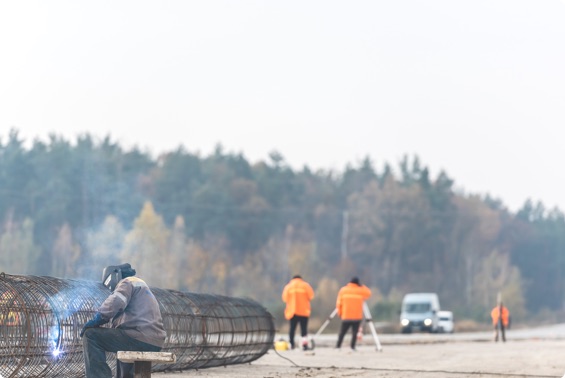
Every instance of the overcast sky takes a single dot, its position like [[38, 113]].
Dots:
[[475, 88]]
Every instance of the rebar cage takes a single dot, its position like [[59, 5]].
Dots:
[[41, 318]]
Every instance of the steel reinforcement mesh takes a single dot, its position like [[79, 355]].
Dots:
[[41, 318]]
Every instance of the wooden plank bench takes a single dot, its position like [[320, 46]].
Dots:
[[142, 361]]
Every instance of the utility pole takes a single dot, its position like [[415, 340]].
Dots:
[[344, 232], [286, 246]]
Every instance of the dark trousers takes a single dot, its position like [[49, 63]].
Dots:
[[97, 341], [496, 327], [294, 321], [354, 324]]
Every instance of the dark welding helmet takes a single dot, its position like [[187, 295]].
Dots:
[[113, 274]]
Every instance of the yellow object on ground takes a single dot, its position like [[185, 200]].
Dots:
[[281, 345]]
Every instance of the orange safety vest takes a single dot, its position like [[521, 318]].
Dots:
[[297, 295], [350, 300], [495, 314]]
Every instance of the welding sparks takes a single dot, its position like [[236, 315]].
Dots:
[[53, 310], [54, 341]]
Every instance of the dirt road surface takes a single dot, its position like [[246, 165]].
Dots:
[[428, 356]]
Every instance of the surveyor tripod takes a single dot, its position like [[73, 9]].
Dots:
[[366, 317]]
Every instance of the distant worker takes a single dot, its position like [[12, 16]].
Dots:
[[297, 295], [136, 322], [349, 307], [500, 320]]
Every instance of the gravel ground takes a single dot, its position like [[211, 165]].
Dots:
[[434, 358]]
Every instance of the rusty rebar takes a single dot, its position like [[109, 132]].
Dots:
[[41, 317]]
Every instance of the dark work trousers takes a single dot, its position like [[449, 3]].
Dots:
[[500, 325], [296, 319], [97, 341], [354, 324]]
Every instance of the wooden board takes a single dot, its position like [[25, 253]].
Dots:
[[157, 357]]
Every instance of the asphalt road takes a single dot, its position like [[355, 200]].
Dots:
[[552, 332]]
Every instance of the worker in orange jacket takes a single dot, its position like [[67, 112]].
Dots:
[[349, 307], [297, 295], [500, 320]]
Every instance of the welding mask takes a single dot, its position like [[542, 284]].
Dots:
[[113, 274]]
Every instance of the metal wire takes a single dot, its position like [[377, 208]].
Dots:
[[41, 317]]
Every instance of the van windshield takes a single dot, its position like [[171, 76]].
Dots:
[[417, 308]]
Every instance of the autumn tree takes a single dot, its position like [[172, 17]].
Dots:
[[216, 217], [209, 269], [387, 236], [498, 275], [18, 252], [325, 300], [146, 247], [65, 255], [104, 246], [177, 257]]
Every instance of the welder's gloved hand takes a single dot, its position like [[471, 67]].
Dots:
[[97, 321]]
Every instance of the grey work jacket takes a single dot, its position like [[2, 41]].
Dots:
[[133, 308]]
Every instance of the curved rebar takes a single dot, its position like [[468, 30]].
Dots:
[[41, 317]]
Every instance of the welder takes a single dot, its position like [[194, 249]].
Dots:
[[135, 318]]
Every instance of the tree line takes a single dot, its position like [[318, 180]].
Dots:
[[221, 224]]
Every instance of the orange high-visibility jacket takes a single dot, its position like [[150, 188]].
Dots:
[[495, 314], [350, 300], [297, 295]]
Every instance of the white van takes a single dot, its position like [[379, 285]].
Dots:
[[420, 312], [445, 321]]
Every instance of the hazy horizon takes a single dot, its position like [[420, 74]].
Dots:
[[474, 88]]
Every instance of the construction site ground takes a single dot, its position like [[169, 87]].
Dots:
[[526, 353]]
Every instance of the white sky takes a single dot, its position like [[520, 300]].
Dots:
[[473, 87]]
